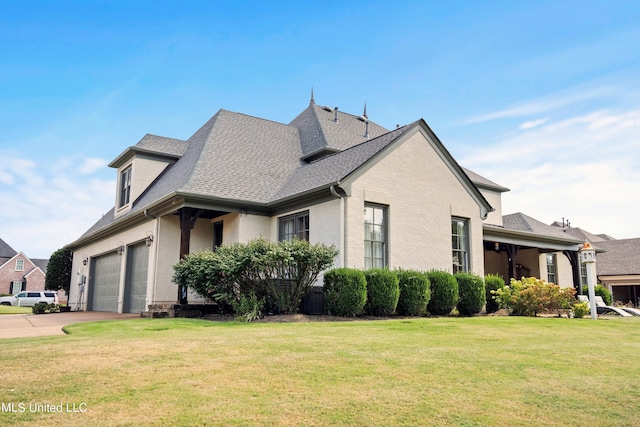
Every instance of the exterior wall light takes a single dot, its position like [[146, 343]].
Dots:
[[149, 240], [120, 248]]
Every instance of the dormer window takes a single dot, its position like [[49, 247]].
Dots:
[[125, 187]]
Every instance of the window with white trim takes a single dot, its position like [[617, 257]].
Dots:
[[551, 269], [375, 236], [19, 265], [460, 245], [16, 287], [125, 187], [294, 226]]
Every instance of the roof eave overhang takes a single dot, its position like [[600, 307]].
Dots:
[[131, 152], [525, 238]]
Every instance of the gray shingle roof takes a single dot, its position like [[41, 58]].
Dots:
[[162, 144], [335, 167], [237, 158], [6, 251], [481, 181], [579, 233], [319, 130], [521, 222], [621, 257]]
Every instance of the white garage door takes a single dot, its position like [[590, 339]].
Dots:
[[104, 283], [135, 288]]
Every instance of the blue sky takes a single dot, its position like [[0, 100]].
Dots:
[[542, 97]]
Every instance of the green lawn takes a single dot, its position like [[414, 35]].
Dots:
[[481, 371], [13, 309]]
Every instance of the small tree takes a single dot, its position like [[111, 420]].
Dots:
[[58, 275], [281, 272]]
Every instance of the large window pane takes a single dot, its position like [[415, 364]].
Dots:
[[375, 255], [460, 245], [294, 227]]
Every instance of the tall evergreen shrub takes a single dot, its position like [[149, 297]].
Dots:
[[492, 282], [444, 292], [383, 292], [471, 294], [345, 291], [415, 292]]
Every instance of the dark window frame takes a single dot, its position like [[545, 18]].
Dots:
[[125, 186], [294, 226]]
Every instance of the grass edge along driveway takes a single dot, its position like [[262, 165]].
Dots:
[[498, 371]]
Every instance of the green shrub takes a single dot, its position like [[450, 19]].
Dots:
[[282, 272], [248, 307], [604, 293], [492, 283], [345, 291], [580, 309], [415, 292], [383, 292], [44, 307], [444, 292], [530, 296], [471, 294]]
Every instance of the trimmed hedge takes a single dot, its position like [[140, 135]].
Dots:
[[415, 292], [471, 294], [345, 291], [444, 292], [383, 292], [492, 283]]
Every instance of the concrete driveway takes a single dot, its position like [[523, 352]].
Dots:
[[38, 325]]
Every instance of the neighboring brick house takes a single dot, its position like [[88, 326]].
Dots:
[[18, 272]]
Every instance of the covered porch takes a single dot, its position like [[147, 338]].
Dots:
[[513, 254]]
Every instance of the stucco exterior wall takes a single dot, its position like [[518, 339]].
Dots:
[[495, 200], [564, 273], [422, 195]]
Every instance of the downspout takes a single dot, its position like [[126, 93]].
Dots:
[[342, 257], [153, 260]]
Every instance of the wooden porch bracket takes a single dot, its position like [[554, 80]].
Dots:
[[188, 218]]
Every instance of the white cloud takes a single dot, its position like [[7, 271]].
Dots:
[[584, 168], [547, 103], [91, 165], [49, 206], [532, 124]]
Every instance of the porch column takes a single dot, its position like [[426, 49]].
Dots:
[[512, 257], [575, 268], [188, 219]]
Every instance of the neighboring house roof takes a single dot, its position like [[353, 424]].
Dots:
[[6, 252], [239, 160], [622, 257], [41, 264], [579, 233]]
